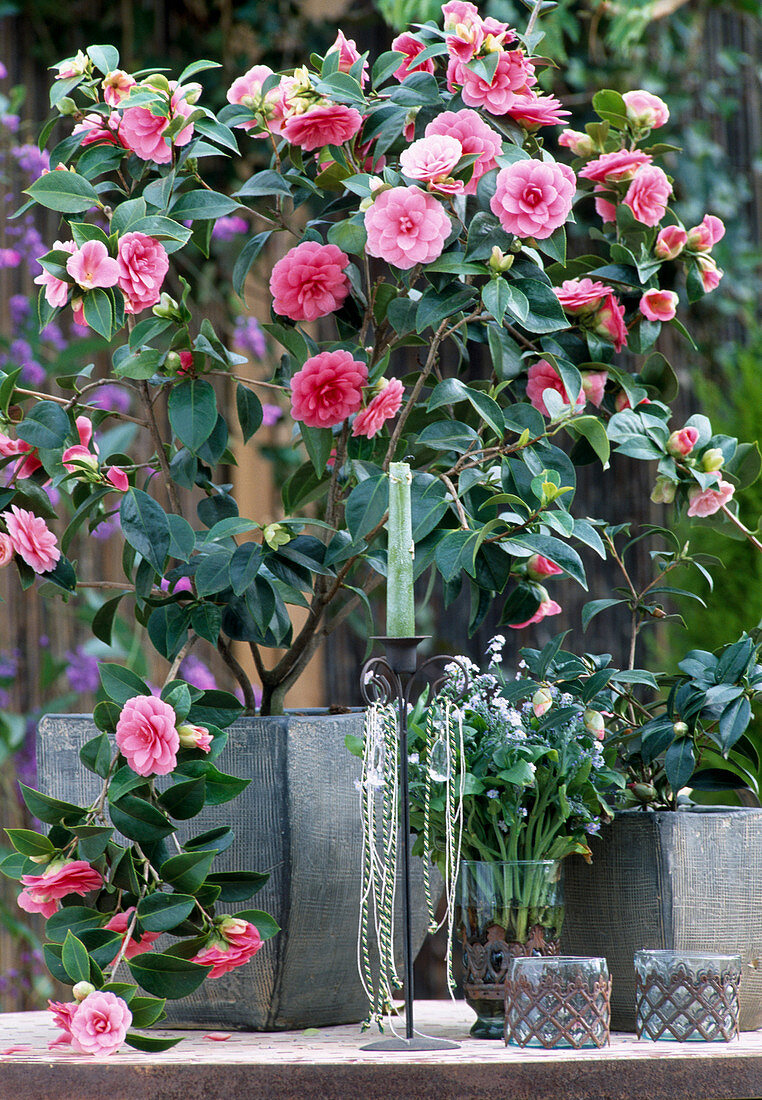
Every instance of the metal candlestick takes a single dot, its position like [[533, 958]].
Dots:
[[390, 678]]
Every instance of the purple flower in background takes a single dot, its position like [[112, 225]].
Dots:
[[32, 160], [271, 414], [20, 309], [225, 229], [82, 671], [10, 257], [11, 122], [53, 495], [55, 337], [3, 71], [21, 354], [9, 663], [106, 528], [248, 336], [197, 673], [111, 397]]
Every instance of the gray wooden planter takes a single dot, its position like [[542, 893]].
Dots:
[[299, 819], [685, 881]]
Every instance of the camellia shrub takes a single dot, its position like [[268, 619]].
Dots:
[[418, 207]]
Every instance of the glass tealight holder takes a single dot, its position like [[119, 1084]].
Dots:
[[686, 997], [558, 1001]]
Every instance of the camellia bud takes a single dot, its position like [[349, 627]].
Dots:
[[593, 722], [165, 308], [172, 363], [498, 260], [680, 729], [682, 443], [539, 567], [644, 792], [275, 535], [194, 737], [542, 701], [66, 106], [192, 93], [82, 990], [663, 491], [712, 459]]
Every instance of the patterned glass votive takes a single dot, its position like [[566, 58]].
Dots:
[[686, 997], [558, 1001]]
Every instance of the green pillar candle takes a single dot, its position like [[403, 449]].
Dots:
[[400, 606]]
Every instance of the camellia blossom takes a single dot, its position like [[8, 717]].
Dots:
[[645, 110], [581, 296], [594, 385], [659, 305], [670, 242], [327, 389], [310, 281], [116, 86], [94, 129], [91, 266], [247, 90], [476, 139], [120, 922], [648, 194], [533, 198], [431, 160], [31, 538], [539, 566], [705, 502], [703, 236], [514, 76], [410, 46], [384, 405], [613, 167], [30, 460], [348, 55], [682, 442], [143, 264], [100, 1024], [406, 227], [75, 458], [547, 607], [328, 124], [62, 1017], [60, 878], [193, 736], [708, 271], [543, 376], [533, 111], [146, 735], [6, 549], [235, 943], [56, 290], [143, 133], [118, 478], [608, 321], [581, 144]]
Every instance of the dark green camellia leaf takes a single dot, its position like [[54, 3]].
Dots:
[[184, 800], [186, 872], [168, 629], [545, 312], [220, 787], [219, 839], [15, 865], [151, 1044], [46, 427], [215, 708], [106, 715], [30, 843], [62, 574], [98, 309], [167, 975], [64, 191], [92, 840], [139, 820], [237, 885], [249, 409], [733, 722], [96, 755], [50, 810], [71, 918], [120, 683], [318, 442], [145, 527], [263, 922], [206, 621], [147, 1010], [202, 205], [213, 573], [429, 501], [448, 435], [192, 409], [367, 505], [679, 762], [75, 959], [162, 912], [520, 605], [103, 621], [52, 954], [102, 945]]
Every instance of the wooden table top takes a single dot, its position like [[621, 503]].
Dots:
[[329, 1064]]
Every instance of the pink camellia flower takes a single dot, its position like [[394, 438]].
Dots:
[[709, 273], [310, 281], [467, 40], [707, 233], [659, 305], [581, 296], [459, 11], [648, 194], [85, 431], [348, 55], [91, 266], [580, 144], [62, 1017], [594, 385], [182, 584], [120, 922], [77, 457], [42, 893], [542, 701], [100, 1024], [56, 290], [236, 941], [143, 133], [329, 124], [613, 167], [514, 76], [622, 401], [31, 460], [146, 735], [705, 502], [476, 139], [116, 85], [608, 322], [406, 227], [542, 376], [644, 110], [547, 607], [533, 111], [96, 129], [539, 566], [6, 549], [327, 389], [410, 46], [533, 198], [681, 443], [431, 160], [143, 263], [194, 737], [31, 539], [604, 208], [384, 405], [670, 242], [118, 478], [247, 90]]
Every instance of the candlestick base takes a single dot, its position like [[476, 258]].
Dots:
[[401, 652], [418, 1042]]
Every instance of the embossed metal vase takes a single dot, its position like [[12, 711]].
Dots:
[[504, 910], [299, 819]]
